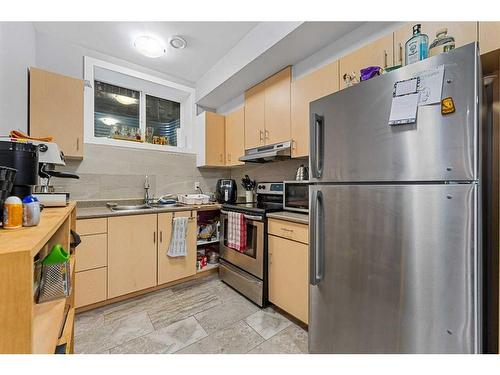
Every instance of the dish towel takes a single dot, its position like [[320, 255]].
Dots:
[[178, 246], [237, 231]]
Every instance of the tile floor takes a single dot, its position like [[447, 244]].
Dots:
[[196, 317]]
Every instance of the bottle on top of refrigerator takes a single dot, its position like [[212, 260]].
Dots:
[[442, 43], [416, 48]]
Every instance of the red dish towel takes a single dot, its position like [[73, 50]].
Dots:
[[236, 231]]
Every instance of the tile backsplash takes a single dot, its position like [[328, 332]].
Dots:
[[108, 172], [267, 172]]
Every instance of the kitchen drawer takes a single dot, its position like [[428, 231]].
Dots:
[[90, 286], [92, 252], [91, 226], [289, 230]]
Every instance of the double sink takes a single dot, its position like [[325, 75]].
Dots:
[[140, 207]]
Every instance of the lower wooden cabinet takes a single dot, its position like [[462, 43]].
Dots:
[[289, 268], [92, 252], [90, 286], [171, 269], [131, 253]]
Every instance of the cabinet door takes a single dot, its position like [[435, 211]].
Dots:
[[288, 276], [171, 269], [254, 116], [131, 253], [277, 107], [214, 139], [463, 32], [56, 109], [90, 286], [489, 36], [235, 137], [377, 53], [313, 86]]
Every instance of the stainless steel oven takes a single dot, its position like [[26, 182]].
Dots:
[[252, 258], [296, 196]]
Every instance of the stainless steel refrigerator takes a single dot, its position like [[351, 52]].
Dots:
[[396, 212]]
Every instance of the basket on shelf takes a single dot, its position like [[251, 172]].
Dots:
[[55, 282]]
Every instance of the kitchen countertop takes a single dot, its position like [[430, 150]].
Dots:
[[290, 216], [98, 209]]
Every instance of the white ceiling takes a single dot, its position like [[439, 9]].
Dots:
[[207, 42]]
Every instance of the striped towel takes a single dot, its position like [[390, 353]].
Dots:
[[237, 231], [178, 246]]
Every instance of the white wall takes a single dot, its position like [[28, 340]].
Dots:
[[17, 53]]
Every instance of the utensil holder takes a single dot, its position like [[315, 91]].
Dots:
[[248, 196]]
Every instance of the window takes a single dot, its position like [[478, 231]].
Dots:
[[117, 115], [128, 108], [162, 120]]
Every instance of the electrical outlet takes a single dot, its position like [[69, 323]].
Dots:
[[196, 185]]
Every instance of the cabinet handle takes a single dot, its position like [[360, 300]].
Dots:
[[191, 218], [261, 135], [287, 230], [154, 237], [266, 133], [400, 53], [228, 157], [77, 143], [161, 236], [385, 58]]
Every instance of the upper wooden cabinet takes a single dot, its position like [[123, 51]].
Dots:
[[267, 110], [489, 36], [214, 139], [235, 137], [277, 107], [254, 115], [132, 251], [171, 269], [56, 109], [321, 82], [377, 53], [463, 32]]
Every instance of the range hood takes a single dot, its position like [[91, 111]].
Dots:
[[264, 154]]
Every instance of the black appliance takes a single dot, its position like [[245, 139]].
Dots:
[[24, 158], [246, 271], [7, 176], [226, 191]]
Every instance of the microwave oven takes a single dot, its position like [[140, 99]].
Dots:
[[296, 196]]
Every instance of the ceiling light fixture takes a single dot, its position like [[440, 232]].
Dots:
[[177, 42], [125, 100], [149, 46], [110, 121]]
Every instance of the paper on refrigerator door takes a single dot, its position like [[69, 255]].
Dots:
[[430, 86], [404, 109]]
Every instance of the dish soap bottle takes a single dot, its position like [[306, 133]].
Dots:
[[442, 43], [416, 48]]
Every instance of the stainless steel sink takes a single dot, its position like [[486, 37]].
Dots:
[[130, 208]]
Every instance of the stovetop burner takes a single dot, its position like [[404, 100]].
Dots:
[[269, 199]]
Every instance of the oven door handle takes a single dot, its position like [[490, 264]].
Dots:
[[248, 217]]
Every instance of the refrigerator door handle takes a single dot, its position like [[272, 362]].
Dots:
[[317, 146], [317, 248]]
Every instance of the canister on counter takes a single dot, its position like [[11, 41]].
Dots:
[[31, 211], [12, 213]]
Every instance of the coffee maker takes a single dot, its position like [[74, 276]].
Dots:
[[23, 157]]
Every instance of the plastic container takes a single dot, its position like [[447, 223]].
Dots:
[[12, 213], [31, 211], [193, 198], [442, 43]]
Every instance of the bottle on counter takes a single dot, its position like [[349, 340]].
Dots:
[[442, 43], [416, 48], [31, 211], [12, 213]]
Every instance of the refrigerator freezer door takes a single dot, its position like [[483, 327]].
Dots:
[[397, 269], [351, 140]]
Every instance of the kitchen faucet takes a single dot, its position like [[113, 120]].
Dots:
[[146, 190]]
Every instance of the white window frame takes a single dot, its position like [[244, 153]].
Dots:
[[187, 111]]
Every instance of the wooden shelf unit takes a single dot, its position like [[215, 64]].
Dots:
[[28, 327]]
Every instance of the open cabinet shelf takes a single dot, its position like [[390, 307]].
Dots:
[[48, 319]]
